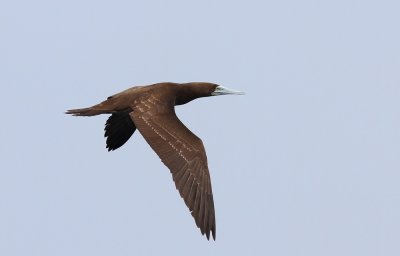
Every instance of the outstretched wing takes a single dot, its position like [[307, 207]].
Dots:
[[183, 153]]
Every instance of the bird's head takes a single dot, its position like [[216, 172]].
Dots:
[[194, 90]]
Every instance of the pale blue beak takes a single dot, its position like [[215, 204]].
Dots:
[[220, 90]]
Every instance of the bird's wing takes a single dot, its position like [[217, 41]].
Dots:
[[183, 153], [119, 128]]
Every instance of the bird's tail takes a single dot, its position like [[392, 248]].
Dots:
[[106, 107], [85, 112]]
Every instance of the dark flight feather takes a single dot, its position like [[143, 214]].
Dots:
[[119, 128]]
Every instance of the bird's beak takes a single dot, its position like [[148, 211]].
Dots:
[[220, 90]]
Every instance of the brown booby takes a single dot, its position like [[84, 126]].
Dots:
[[151, 110]]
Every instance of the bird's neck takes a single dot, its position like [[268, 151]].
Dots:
[[186, 93]]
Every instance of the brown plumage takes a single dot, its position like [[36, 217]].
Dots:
[[151, 110]]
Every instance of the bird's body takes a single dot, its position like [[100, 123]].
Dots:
[[150, 109]]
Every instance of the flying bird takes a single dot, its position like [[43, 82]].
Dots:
[[151, 110]]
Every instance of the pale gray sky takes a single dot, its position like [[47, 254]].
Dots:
[[307, 163]]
